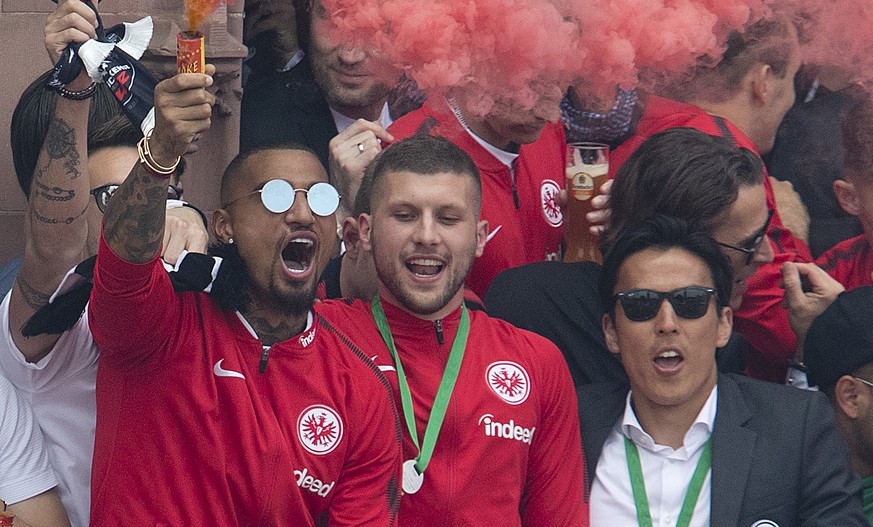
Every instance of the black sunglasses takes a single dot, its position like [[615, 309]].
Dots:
[[688, 302], [102, 194], [752, 248]]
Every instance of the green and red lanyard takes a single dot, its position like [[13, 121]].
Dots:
[[641, 501], [413, 469]]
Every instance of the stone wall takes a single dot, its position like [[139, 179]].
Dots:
[[23, 58]]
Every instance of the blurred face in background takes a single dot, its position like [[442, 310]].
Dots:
[[351, 77]]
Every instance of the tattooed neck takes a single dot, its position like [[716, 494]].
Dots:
[[32, 296], [271, 331]]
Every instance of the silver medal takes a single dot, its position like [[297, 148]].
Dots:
[[412, 480]]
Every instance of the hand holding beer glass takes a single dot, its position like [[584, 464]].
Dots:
[[587, 169]]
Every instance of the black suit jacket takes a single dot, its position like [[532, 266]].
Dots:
[[568, 313], [289, 106], [286, 106], [776, 454]]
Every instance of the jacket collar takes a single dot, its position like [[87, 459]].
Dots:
[[732, 441]]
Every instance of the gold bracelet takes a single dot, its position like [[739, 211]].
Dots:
[[145, 157]]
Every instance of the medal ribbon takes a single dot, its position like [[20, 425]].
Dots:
[[444, 393], [641, 501]]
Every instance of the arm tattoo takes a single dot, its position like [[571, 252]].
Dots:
[[34, 298], [47, 191], [60, 139], [55, 221], [134, 219], [53, 193], [60, 143]]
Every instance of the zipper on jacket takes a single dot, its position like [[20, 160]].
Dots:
[[438, 326], [264, 356]]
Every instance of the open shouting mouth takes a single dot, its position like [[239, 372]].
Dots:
[[298, 254]]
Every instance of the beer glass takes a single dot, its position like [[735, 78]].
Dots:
[[587, 168]]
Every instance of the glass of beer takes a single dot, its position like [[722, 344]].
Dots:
[[587, 168]]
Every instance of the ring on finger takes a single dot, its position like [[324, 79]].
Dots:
[[361, 147]]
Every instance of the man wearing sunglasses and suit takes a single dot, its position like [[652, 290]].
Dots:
[[245, 406], [686, 445]]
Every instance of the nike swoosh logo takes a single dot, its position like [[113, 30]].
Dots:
[[221, 372], [493, 233], [382, 367]]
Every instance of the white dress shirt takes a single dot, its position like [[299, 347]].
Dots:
[[667, 473], [342, 122]]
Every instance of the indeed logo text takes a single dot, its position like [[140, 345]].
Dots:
[[305, 481], [506, 430]]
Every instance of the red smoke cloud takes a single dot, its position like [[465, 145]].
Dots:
[[836, 34], [627, 40], [511, 48], [444, 44], [197, 10]]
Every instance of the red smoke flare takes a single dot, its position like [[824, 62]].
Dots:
[[508, 47], [837, 35], [512, 48], [630, 39], [444, 44], [197, 10]]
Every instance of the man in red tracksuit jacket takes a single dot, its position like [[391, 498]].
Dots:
[[849, 262], [521, 158], [490, 434], [743, 99], [243, 407]]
